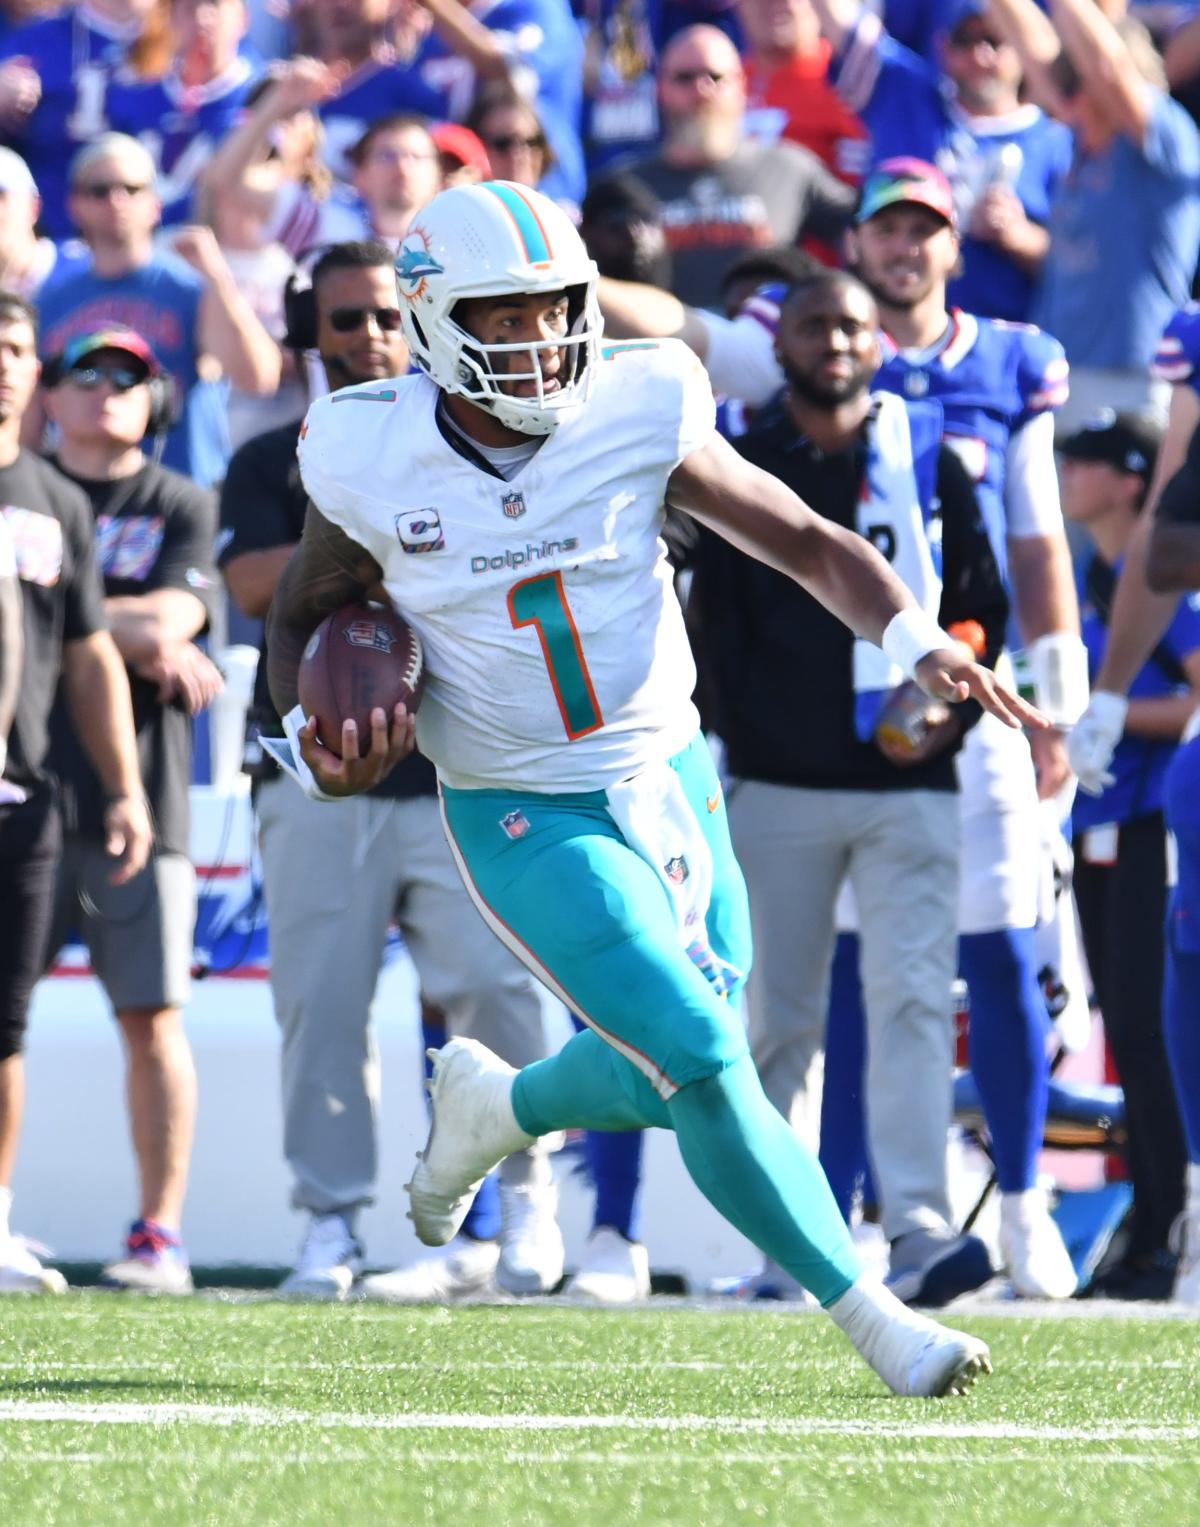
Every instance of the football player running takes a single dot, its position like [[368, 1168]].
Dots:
[[510, 500]]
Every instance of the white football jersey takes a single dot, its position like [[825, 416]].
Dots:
[[555, 647]]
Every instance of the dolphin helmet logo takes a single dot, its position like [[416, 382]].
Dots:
[[414, 263]]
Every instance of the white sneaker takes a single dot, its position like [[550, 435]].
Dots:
[[613, 1270], [1185, 1240], [21, 1270], [473, 1128], [1032, 1250], [531, 1244], [329, 1261], [467, 1267], [912, 1354]]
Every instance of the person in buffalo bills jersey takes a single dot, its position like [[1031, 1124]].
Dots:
[[1140, 615], [183, 116], [578, 796], [53, 81], [536, 43], [998, 385], [364, 79], [1004, 156]]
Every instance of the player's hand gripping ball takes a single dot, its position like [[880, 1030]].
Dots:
[[361, 657]]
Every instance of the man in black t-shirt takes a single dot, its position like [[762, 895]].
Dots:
[[65, 637], [154, 535], [831, 780], [336, 874]]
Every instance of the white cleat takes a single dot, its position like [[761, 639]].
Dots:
[[465, 1270], [473, 1128], [613, 1270], [1185, 1239], [329, 1261], [912, 1354], [1031, 1248], [22, 1272], [531, 1244]]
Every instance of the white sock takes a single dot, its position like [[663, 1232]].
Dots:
[[5, 1206], [1193, 1185], [864, 1308]]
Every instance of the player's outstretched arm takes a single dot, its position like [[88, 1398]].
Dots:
[[326, 571], [758, 514]]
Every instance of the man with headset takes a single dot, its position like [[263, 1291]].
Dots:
[[106, 394], [335, 876]]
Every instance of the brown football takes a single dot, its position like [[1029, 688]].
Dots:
[[360, 657]]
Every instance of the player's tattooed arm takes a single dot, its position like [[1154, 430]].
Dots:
[[761, 516], [326, 571]]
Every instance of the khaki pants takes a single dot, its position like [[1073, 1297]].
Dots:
[[335, 876], [899, 852]]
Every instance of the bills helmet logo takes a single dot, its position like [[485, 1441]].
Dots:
[[515, 824], [420, 530], [677, 870], [513, 505], [369, 634]]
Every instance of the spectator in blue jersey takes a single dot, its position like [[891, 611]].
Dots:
[[183, 116], [1121, 842], [26, 261], [1005, 159], [364, 80], [622, 39], [183, 302], [53, 82], [534, 44], [1137, 169]]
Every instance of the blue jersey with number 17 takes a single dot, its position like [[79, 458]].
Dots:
[[991, 379]]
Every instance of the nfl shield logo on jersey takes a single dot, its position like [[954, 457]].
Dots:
[[515, 824], [420, 530], [677, 870], [513, 505]]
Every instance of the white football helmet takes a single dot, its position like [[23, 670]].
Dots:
[[484, 241]]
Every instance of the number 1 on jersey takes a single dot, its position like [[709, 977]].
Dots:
[[541, 602]]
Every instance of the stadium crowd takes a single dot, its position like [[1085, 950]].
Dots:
[[937, 259]]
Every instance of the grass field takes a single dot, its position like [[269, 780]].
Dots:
[[115, 1410]]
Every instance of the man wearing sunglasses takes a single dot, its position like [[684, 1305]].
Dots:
[[182, 300], [722, 193], [335, 879], [154, 535]]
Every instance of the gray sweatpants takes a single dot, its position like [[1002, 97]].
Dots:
[[899, 851], [335, 876]]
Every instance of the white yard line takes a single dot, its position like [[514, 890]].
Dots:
[[615, 1459], [440, 1365], [124, 1413]]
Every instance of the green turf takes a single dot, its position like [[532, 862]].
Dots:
[[673, 1417]]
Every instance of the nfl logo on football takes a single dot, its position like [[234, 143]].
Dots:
[[367, 633], [513, 505]]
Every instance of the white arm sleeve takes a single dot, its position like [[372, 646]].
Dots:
[[741, 358], [1031, 480]]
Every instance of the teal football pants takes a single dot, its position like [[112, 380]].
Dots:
[[555, 879]]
